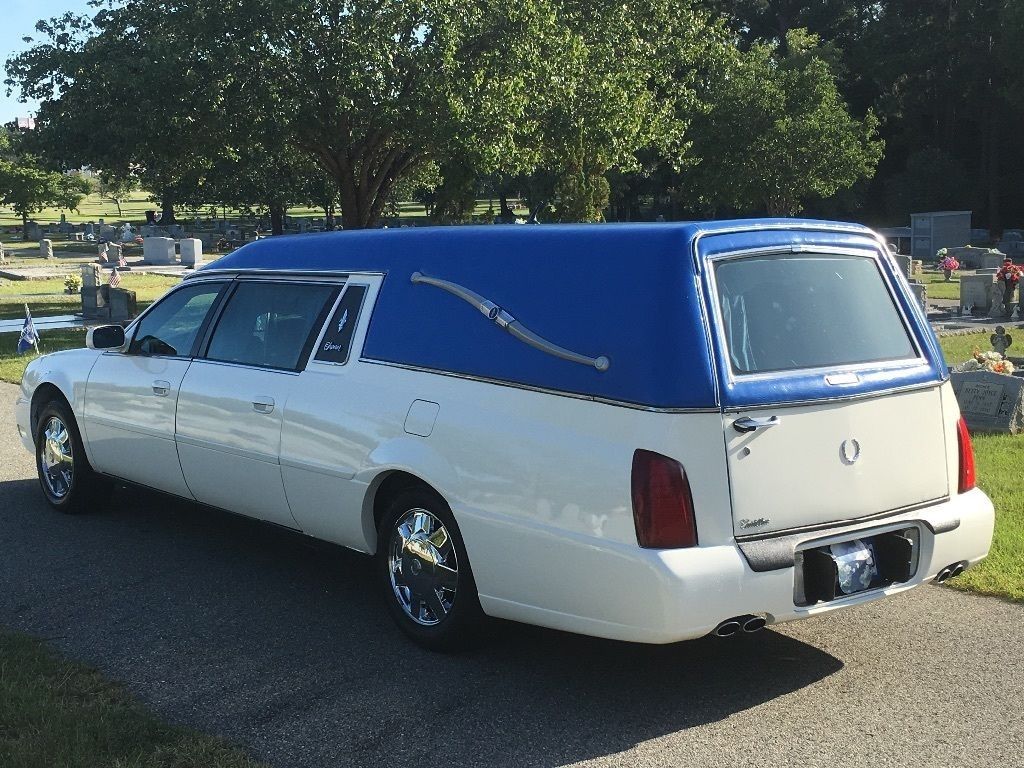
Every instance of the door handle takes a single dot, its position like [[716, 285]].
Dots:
[[750, 424], [263, 405], [161, 388]]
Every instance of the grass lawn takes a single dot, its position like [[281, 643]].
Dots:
[[938, 288], [46, 297], [56, 713], [1000, 459]]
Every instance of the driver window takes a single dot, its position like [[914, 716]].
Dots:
[[171, 327]]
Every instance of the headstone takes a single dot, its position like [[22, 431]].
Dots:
[[303, 226], [916, 267], [990, 402], [921, 294], [127, 233], [989, 260], [976, 293], [114, 252], [191, 252], [123, 305], [33, 230], [94, 302], [158, 250], [986, 271], [904, 263], [175, 230], [107, 232], [45, 249], [90, 275], [103, 252], [90, 229], [3, 256]]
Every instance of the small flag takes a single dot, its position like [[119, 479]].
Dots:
[[29, 336], [102, 249], [114, 281], [122, 261]]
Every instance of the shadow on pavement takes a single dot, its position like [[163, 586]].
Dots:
[[252, 633]]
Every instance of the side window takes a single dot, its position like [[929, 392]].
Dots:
[[269, 324], [172, 326]]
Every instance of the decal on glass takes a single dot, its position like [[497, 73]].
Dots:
[[336, 343]]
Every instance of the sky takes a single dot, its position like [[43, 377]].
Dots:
[[19, 19]]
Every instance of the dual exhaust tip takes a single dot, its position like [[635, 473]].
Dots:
[[950, 571], [738, 624]]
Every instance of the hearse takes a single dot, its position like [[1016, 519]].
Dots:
[[646, 432]]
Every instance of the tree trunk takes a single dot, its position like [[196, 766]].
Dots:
[[117, 202], [166, 213], [329, 223], [24, 226], [276, 218]]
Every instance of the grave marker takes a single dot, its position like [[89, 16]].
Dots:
[[990, 402]]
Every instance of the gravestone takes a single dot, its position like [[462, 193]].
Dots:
[[94, 302], [45, 249], [90, 229], [990, 402], [123, 305], [191, 252], [175, 230], [916, 267], [33, 230], [107, 232], [3, 256], [976, 291], [103, 252], [986, 271], [905, 265], [158, 250], [920, 291], [114, 252], [90, 275], [127, 233]]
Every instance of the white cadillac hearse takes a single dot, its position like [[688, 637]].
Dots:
[[642, 432]]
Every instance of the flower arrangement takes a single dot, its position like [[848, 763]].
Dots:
[[72, 284], [986, 361], [950, 263]]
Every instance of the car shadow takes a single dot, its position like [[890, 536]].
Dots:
[[282, 646]]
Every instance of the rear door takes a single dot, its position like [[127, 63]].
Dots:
[[829, 387]]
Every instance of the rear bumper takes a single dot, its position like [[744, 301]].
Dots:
[[662, 596]]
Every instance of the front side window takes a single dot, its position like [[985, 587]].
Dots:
[[172, 326], [269, 324], [811, 310]]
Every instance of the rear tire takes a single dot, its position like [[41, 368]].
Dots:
[[68, 482], [425, 575]]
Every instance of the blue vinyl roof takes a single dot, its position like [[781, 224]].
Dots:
[[627, 291]]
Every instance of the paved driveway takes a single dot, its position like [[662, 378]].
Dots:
[[241, 630]]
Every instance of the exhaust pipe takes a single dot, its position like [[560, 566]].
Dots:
[[947, 573], [754, 624], [728, 628]]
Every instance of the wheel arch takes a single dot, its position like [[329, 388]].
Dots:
[[44, 393], [384, 488]]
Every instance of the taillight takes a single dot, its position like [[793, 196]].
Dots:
[[963, 439], [662, 504]]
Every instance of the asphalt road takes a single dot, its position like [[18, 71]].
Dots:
[[241, 630]]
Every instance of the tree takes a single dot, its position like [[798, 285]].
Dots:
[[28, 189], [118, 189], [778, 133]]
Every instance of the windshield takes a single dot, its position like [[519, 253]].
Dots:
[[790, 311]]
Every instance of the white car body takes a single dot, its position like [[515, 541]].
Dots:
[[538, 480]]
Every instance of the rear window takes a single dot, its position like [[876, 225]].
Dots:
[[790, 311]]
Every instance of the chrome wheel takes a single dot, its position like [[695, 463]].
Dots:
[[423, 567], [57, 459]]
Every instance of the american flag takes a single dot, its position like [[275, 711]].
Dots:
[[29, 335], [121, 261], [114, 281]]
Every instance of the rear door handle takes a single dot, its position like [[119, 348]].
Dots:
[[263, 405], [749, 424], [161, 388]]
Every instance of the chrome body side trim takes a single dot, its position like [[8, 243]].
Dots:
[[541, 390]]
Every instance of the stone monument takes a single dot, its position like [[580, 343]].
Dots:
[[990, 402], [191, 252], [123, 305], [90, 275], [158, 250], [45, 249], [1000, 340]]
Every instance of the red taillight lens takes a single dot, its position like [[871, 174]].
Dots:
[[662, 504], [963, 438]]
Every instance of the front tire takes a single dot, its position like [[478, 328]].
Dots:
[[67, 480], [425, 575]]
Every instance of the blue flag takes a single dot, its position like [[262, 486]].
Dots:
[[29, 336]]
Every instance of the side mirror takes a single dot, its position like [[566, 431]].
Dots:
[[105, 337]]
